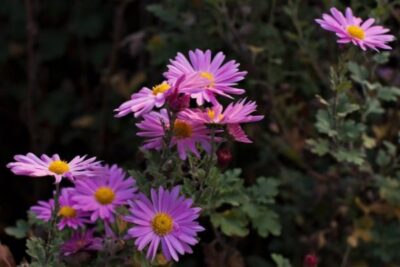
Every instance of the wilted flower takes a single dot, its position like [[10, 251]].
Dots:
[[81, 241], [31, 165], [352, 29], [167, 220], [233, 115]]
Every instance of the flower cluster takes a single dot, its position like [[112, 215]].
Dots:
[[99, 195], [167, 109]]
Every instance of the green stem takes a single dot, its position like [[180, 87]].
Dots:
[[53, 224], [346, 257], [169, 131]]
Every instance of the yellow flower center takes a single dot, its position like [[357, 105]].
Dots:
[[356, 32], [104, 195], [209, 76], [211, 115], [162, 224], [161, 88], [182, 129], [59, 167], [67, 212]]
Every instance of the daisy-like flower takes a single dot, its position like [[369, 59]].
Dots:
[[352, 29], [186, 133], [221, 78], [102, 195], [233, 115], [144, 101], [69, 216], [31, 165], [167, 220], [81, 241]]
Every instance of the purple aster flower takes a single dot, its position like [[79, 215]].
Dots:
[[81, 241], [352, 29], [221, 77], [102, 195], [144, 101], [69, 216], [233, 115], [186, 133], [31, 165], [167, 220]]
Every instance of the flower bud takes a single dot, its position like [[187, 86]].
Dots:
[[224, 157], [178, 102], [310, 260]]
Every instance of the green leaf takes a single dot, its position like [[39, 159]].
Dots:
[[264, 190], [267, 222], [344, 86], [323, 123], [381, 58], [280, 261], [358, 73], [36, 249], [389, 93], [344, 106], [232, 222], [373, 106], [319, 146], [350, 156], [351, 131], [19, 231]]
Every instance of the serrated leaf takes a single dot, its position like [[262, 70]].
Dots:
[[350, 156], [264, 190], [319, 146], [323, 123], [389, 93], [280, 261], [267, 223], [231, 222], [358, 72], [19, 231]]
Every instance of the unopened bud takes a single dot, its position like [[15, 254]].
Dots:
[[224, 156], [310, 260], [178, 102]]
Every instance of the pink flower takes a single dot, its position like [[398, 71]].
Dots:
[[352, 29], [186, 133], [102, 195], [144, 101], [31, 165], [69, 216], [221, 79], [233, 115], [167, 220]]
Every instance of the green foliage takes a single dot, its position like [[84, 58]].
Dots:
[[280, 261], [19, 231], [247, 205]]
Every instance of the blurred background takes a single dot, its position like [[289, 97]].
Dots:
[[65, 65]]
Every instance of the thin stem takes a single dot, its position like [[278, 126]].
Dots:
[[53, 223], [346, 257], [169, 133], [211, 157]]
